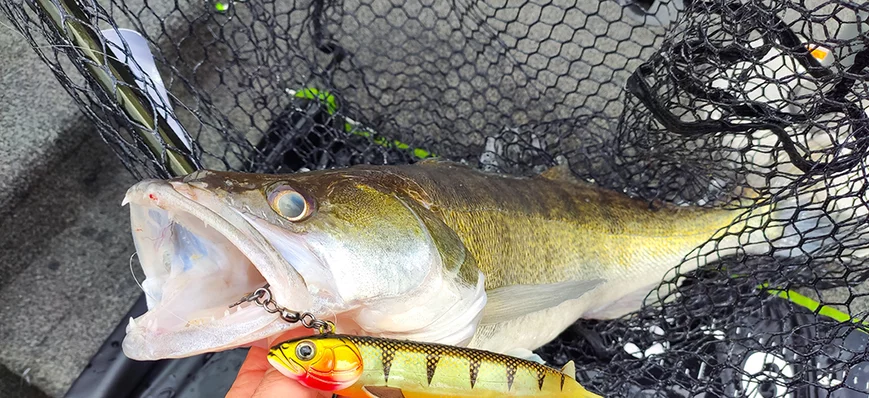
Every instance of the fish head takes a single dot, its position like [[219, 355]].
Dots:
[[326, 242], [324, 363]]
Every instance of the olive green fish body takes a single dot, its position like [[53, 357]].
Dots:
[[434, 252], [552, 229]]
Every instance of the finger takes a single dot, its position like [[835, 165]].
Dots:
[[253, 371], [275, 384], [250, 374]]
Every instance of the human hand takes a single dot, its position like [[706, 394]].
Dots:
[[257, 378]]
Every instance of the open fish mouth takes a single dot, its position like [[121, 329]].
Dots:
[[199, 258]]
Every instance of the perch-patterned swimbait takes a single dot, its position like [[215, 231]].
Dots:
[[366, 367]]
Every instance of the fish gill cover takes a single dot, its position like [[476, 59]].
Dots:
[[689, 102]]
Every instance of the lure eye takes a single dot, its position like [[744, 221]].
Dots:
[[289, 203], [305, 351]]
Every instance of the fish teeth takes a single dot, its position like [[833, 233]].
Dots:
[[125, 201], [226, 312], [132, 322]]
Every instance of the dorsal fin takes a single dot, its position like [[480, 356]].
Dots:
[[430, 161], [561, 171], [569, 369], [433, 161]]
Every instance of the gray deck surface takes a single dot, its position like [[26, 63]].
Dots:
[[64, 278]]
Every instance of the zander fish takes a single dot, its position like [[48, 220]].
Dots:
[[370, 367], [434, 252]]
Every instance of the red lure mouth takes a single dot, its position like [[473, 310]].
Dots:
[[334, 380]]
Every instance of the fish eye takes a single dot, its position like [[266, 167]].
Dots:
[[305, 350], [289, 203]]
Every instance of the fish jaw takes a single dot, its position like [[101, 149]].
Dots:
[[199, 257]]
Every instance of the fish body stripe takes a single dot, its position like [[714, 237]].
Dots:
[[431, 363], [511, 374], [474, 369], [541, 376], [387, 355]]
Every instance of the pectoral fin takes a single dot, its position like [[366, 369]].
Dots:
[[383, 392], [510, 302], [455, 256]]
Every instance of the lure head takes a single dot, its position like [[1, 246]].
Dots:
[[326, 364]]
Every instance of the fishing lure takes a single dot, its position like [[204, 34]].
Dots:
[[371, 367]]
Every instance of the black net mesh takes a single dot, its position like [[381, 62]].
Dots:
[[702, 103]]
